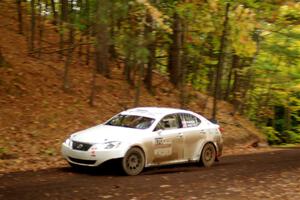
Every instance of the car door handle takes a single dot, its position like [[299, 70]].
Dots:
[[180, 135]]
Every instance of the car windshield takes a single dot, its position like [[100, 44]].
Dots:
[[131, 121]]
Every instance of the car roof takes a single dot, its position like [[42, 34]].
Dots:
[[154, 112]]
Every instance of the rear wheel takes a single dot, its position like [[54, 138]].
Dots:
[[133, 162], [208, 155]]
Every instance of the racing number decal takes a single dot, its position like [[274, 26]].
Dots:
[[159, 141], [162, 147]]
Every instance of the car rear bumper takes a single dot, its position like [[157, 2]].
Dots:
[[91, 157]]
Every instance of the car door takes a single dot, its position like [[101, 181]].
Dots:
[[168, 140], [194, 134]]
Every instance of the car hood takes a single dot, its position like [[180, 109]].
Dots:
[[105, 133]]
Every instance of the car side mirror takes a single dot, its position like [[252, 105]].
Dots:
[[159, 131]]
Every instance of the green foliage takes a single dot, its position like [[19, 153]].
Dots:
[[272, 135], [291, 137]]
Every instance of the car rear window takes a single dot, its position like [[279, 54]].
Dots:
[[189, 120], [131, 121]]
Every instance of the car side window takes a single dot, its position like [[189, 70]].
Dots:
[[168, 122], [189, 120]]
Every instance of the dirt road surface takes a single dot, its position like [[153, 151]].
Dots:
[[269, 175]]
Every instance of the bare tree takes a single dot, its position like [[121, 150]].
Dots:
[[102, 38], [54, 12], [93, 87], [88, 33], [174, 62], [63, 18], [66, 81], [149, 29], [219, 69], [141, 64], [42, 14], [139, 84], [20, 16], [32, 37], [232, 70], [183, 71]]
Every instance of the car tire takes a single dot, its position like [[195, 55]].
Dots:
[[208, 155], [133, 162]]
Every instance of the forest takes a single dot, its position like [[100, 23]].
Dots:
[[245, 52]]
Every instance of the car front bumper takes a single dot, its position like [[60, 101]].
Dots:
[[92, 157]]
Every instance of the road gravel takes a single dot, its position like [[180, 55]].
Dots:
[[268, 175]]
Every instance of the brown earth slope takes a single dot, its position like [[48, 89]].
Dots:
[[36, 115]]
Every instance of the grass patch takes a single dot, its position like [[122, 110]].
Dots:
[[286, 145]]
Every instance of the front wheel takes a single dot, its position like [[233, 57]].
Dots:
[[208, 155], [133, 162]]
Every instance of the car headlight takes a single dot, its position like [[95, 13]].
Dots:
[[111, 144], [68, 142], [108, 145]]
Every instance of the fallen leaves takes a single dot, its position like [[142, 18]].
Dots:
[[165, 186], [36, 115]]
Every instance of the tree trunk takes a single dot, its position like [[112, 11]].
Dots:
[[238, 84], [139, 84], [20, 16], [287, 116], [141, 64], [32, 38], [63, 18], [87, 5], [211, 79], [69, 58], [64, 11], [102, 37], [80, 47], [183, 92], [88, 49], [211, 67], [128, 68], [151, 48], [41, 27], [246, 84], [93, 88], [234, 64], [250, 74], [112, 47], [174, 62], [220, 65], [66, 85], [55, 17]]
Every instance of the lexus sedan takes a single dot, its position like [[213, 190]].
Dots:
[[144, 137]]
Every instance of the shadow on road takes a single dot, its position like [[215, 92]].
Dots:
[[113, 168], [109, 168]]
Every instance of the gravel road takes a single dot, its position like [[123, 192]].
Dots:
[[269, 175]]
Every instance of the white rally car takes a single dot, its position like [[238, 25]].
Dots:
[[144, 137]]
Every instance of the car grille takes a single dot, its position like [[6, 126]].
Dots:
[[81, 146], [87, 162]]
